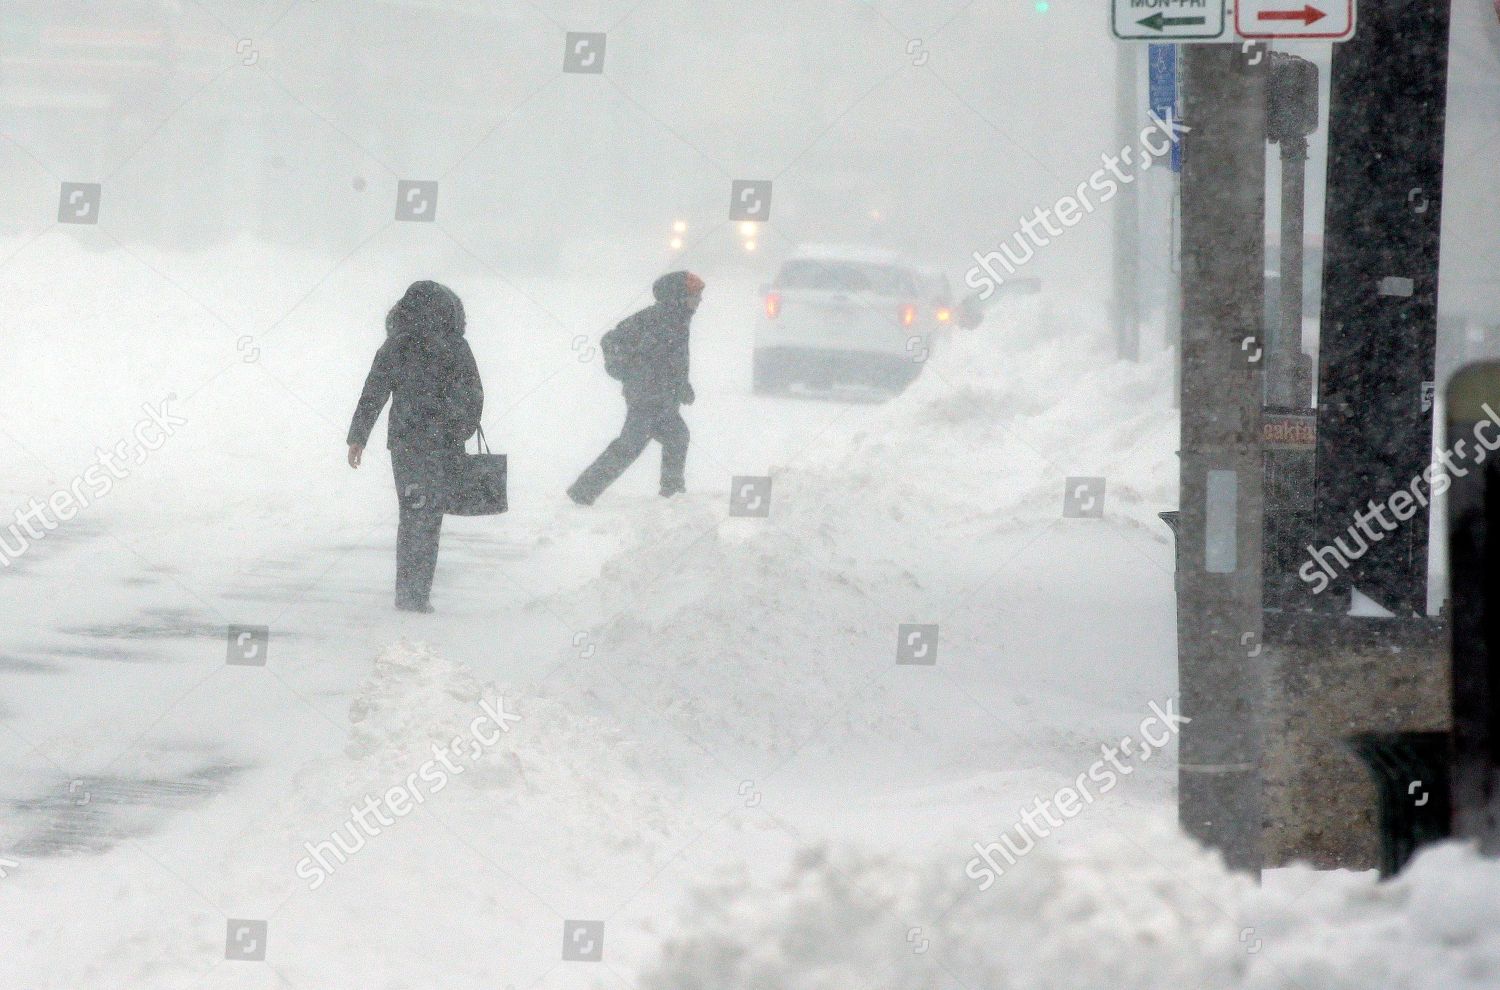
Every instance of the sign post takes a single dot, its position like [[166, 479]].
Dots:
[[1127, 213], [1222, 462]]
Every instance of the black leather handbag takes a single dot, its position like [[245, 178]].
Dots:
[[477, 486]]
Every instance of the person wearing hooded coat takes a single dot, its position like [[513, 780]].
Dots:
[[656, 386], [427, 371]]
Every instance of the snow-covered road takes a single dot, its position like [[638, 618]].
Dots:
[[695, 692]]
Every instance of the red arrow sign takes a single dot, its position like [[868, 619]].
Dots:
[[1271, 19], [1307, 15]]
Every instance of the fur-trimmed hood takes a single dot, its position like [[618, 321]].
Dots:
[[429, 309]]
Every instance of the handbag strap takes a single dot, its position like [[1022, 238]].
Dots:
[[484, 446]]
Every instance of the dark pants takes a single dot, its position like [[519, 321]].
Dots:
[[421, 481], [643, 423]]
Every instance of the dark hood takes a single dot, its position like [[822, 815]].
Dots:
[[429, 309], [676, 286]]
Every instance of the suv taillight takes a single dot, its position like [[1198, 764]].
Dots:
[[773, 304], [907, 314]]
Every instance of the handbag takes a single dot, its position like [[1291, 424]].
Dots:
[[477, 486]]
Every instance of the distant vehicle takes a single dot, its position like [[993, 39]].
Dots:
[[845, 316]]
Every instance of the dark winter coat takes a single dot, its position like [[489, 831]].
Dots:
[[427, 371], [659, 368]]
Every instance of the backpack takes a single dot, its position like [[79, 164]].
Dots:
[[620, 348]]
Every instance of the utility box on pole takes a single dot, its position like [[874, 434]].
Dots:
[[1219, 550]]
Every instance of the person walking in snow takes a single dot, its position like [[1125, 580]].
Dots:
[[427, 371], [649, 354]]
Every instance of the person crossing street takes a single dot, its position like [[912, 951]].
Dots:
[[650, 355]]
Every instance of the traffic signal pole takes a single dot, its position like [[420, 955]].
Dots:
[[1219, 558]]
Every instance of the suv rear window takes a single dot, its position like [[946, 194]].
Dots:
[[846, 276]]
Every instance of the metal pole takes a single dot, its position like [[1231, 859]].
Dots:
[[1174, 292], [1127, 267], [1286, 386], [1219, 564]]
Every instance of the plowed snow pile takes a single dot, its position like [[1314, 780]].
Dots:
[[551, 763], [756, 633], [1147, 912]]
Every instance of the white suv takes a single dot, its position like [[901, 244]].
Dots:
[[843, 316]]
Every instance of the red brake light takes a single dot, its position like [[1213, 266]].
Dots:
[[773, 305], [908, 314]]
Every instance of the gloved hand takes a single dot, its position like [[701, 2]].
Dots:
[[688, 396]]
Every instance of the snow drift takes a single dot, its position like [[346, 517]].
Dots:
[[1142, 910]]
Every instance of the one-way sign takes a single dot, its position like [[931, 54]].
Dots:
[[1169, 20]]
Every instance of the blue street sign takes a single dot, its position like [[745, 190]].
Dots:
[[1162, 76]]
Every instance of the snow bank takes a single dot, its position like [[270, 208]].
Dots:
[[1141, 912], [762, 634], [1035, 394], [1107, 916], [568, 767], [1435, 927]]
